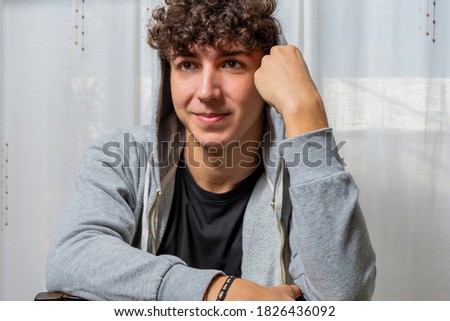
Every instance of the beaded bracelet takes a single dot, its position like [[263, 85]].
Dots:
[[225, 287], [205, 296]]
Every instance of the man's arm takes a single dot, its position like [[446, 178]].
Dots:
[[244, 290], [332, 258], [91, 254]]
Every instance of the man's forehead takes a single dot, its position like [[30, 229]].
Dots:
[[226, 50]]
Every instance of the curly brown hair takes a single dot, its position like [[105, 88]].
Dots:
[[182, 23]]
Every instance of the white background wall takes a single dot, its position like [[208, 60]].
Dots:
[[384, 82]]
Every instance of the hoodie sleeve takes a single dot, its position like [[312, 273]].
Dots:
[[332, 257], [91, 254]]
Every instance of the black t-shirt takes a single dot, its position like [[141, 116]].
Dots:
[[205, 229]]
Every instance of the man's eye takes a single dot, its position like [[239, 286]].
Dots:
[[233, 64], [185, 65]]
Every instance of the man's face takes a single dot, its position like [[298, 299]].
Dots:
[[215, 97]]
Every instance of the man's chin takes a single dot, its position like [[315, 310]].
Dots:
[[209, 142], [213, 146]]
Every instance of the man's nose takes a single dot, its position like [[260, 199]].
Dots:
[[209, 87]]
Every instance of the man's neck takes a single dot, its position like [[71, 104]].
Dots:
[[220, 170]]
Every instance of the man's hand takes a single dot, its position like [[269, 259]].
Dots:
[[283, 81], [244, 290]]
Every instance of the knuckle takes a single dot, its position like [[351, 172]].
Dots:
[[274, 49]]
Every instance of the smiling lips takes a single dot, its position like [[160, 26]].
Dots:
[[210, 119]]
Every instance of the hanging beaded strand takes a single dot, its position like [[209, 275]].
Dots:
[[428, 15], [434, 21], [77, 22], [4, 222], [82, 25], [428, 18]]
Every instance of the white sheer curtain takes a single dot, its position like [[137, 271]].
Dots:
[[384, 82], [57, 98], [2, 172], [386, 88]]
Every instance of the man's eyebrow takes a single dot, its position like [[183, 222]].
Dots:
[[222, 54], [235, 53], [184, 55]]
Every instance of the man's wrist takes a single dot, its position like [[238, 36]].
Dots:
[[214, 288], [304, 119]]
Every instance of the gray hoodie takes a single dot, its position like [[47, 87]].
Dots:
[[302, 224]]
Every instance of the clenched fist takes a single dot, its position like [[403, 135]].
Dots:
[[283, 81]]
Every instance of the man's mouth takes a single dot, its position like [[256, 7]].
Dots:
[[210, 119]]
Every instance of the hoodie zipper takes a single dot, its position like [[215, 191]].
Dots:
[[283, 268], [152, 218], [280, 228]]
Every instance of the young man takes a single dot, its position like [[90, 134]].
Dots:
[[234, 178]]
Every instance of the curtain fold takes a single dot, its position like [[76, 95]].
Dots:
[[74, 69]]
